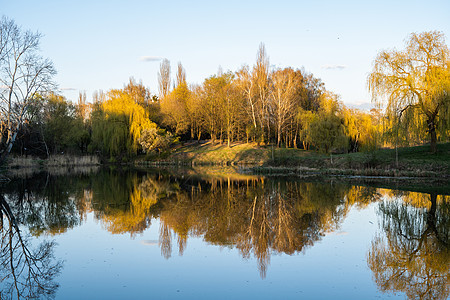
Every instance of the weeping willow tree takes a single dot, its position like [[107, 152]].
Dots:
[[117, 124], [412, 253], [414, 84], [327, 130], [109, 132], [362, 129]]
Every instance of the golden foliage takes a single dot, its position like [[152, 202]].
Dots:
[[136, 217], [122, 103], [412, 253], [417, 78], [174, 107]]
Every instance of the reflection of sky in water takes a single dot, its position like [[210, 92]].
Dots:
[[345, 252], [101, 265]]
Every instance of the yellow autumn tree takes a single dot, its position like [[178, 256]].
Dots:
[[415, 79], [327, 129], [118, 123], [121, 102], [174, 109], [362, 129]]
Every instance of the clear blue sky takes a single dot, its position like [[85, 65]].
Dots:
[[99, 44]]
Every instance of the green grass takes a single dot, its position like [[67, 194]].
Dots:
[[241, 154], [412, 162], [418, 153], [409, 158]]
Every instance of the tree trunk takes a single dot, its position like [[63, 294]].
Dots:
[[355, 148], [433, 144], [291, 139], [431, 215], [9, 145], [45, 144], [278, 138], [433, 138], [229, 129], [262, 138], [295, 138], [199, 135], [396, 146]]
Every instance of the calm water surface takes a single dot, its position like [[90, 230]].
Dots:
[[166, 235]]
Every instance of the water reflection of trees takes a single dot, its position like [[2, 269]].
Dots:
[[42, 204], [412, 253], [123, 202], [25, 272], [258, 217], [48, 204]]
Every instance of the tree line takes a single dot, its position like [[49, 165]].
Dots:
[[283, 107]]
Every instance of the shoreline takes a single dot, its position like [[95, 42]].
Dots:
[[414, 162], [397, 179]]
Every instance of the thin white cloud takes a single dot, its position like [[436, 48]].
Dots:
[[334, 67], [336, 233], [68, 89], [150, 58], [149, 242]]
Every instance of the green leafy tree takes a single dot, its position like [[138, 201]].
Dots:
[[110, 133], [327, 130], [417, 78], [64, 129]]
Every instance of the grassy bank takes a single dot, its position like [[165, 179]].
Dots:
[[268, 160], [238, 154]]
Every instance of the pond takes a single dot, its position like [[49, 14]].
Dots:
[[174, 234]]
